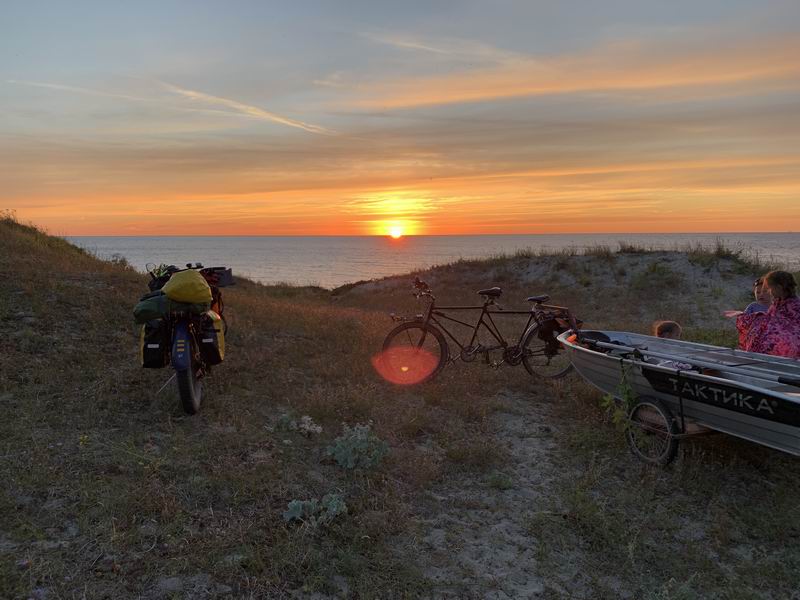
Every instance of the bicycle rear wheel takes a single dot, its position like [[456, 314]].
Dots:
[[412, 353], [542, 361], [651, 432], [190, 389]]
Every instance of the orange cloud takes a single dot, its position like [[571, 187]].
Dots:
[[734, 195], [629, 65]]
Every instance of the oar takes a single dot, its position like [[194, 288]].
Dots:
[[701, 363]]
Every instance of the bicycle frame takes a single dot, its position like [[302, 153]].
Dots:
[[536, 314], [182, 346], [536, 347], [435, 315]]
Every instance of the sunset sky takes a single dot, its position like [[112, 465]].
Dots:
[[433, 117]]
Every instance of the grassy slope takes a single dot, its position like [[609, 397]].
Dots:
[[111, 491], [623, 290]]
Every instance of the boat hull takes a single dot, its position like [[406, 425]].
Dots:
[[715, 401]]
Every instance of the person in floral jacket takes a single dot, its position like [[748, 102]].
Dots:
[[776, 331]]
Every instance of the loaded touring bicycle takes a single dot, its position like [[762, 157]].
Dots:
[[673, 389], [183, 325]]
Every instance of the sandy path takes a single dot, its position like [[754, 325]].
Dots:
[[473, 539]]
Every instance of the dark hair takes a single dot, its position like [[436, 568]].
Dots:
[[662, 328], [782, 280], [758, 282]]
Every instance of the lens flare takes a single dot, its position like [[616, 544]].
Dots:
[[405, 365]]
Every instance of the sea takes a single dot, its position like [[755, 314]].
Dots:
[[332, 261]]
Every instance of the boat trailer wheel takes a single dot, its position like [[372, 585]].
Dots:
[[652, 431]]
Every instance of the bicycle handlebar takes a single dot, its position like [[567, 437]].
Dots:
[[213, 275], [422, 289]]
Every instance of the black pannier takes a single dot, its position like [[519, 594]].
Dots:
[[552, 328], [154, 344], [547, 333]]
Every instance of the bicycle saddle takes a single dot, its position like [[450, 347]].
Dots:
[[539, 299], [491, 292]]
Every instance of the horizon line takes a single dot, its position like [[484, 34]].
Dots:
[[299, 235]]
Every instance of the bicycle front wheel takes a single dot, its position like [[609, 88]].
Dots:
[[412, 353], [542, 360]]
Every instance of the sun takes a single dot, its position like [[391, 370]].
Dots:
[[396, 232]]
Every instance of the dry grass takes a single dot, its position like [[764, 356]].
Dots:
[[613, 528], [111, 491], [695, 530]]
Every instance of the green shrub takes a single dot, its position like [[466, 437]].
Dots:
[[500, 481], [619, 406], [304, 425], [314, 512], [358, 448]]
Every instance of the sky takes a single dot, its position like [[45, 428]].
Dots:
[[367, 117]]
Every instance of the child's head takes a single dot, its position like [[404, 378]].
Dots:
[[761, 292], [780, 285], [667, 329]]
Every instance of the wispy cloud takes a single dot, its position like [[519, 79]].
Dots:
[[233, 108], [401, 42], [628, 65], [397, 203], [246, 109], [334, 80], [78, 90], [447, 47]]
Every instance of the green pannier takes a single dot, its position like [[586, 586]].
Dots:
[[151, 307], [156, 305]]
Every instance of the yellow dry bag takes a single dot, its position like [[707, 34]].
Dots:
[[188, 286], [212, 339]]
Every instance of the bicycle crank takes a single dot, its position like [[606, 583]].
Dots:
[[470, 353], [512, 355]]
